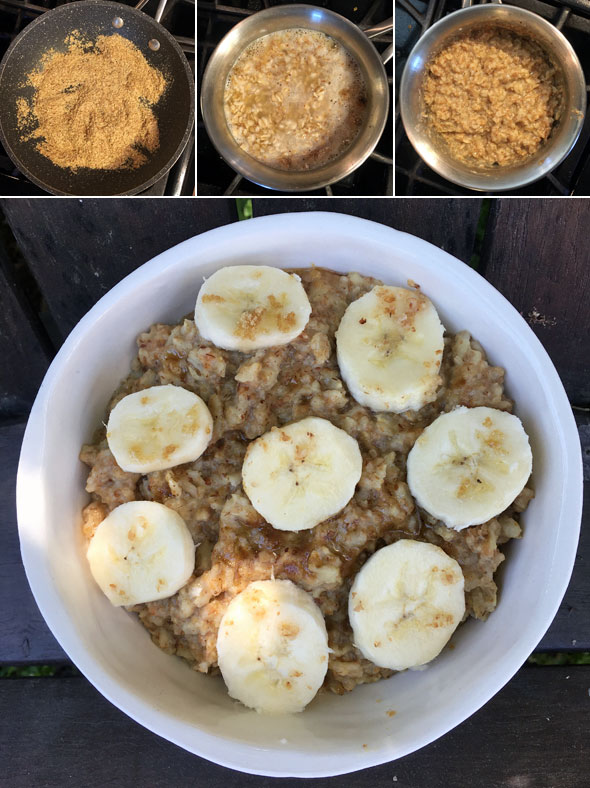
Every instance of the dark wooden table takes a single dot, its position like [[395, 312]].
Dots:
[[58, 731]]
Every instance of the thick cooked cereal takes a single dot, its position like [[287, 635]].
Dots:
[[295, 99], [247, 395], [493, 96]]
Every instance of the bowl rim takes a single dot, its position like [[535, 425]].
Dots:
[[215, 747], [478, 181]]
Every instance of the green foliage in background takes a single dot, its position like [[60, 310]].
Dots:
[[37, 671], [560, 658], [11, 672], [244, 207]]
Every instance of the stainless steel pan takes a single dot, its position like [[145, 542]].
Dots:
[[562, 138], [356, 41]]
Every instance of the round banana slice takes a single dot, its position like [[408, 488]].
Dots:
[[158, 428], [272, 647], [389, 345], [245, 307], [405, 603], [469, 465], [141, 552], [299, 475]]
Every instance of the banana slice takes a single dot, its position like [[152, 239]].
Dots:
[[469, 465], [141, 552], [389, 345], [245, 307], [299, 475], [158, 428], [405, 603], [272, 647]]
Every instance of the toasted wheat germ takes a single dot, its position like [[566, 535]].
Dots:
[[92, 105]]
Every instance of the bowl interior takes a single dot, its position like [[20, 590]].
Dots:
[[283, 18], [335, 734], [563, 136]]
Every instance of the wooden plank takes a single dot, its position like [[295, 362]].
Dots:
[[450, 224], [25, 636], [536, 254], [79, 249], [27, 640], [25, 357], [570, 630], [533, 734]]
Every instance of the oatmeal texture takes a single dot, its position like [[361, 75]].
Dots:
[[295, 99], [493, 96], [247, 395]]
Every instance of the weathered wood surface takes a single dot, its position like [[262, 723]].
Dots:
[[536, 253], [570, 630], [25, 637], [533, 734], [24, 357], [450, 224], [78, 249]]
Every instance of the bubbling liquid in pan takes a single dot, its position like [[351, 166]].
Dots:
[[295, 99]]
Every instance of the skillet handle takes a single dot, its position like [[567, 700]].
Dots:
[[376, 30], [387, 55]]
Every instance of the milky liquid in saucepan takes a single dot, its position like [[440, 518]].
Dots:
[[295, 99]]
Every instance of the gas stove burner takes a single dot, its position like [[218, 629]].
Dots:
[[177, 16], [414, 177], [214, 177]]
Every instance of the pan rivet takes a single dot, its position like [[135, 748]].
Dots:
[[154, 44], [118, 22]]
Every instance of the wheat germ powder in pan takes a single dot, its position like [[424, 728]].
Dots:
[[92, 105]]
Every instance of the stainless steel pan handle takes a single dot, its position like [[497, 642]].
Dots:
[[387, 55], [376, 30]]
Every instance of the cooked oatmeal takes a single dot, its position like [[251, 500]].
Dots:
[[493, 96], [295, 99], [248, 394]]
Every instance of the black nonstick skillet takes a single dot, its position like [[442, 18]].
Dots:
[[174, 112]]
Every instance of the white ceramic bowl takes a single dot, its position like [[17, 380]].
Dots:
[[334, 735]]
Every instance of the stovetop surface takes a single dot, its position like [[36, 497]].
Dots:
[[178, 18], [414, 177], [214, 177]]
